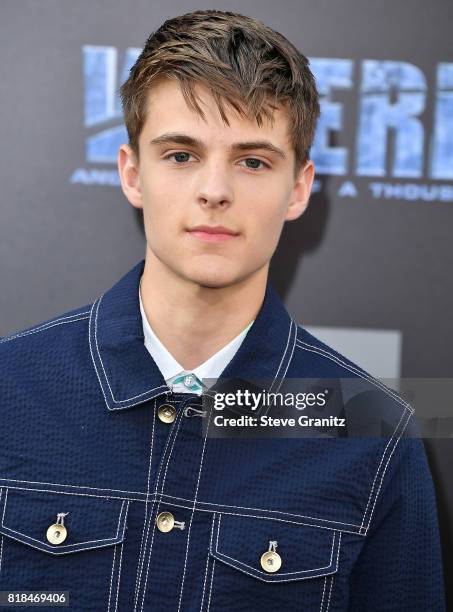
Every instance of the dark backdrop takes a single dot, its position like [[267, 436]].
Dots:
[[369, 264]]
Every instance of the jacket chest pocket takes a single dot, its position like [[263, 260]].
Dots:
[[60, 542], [261, 564]]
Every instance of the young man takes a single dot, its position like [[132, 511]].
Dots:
[[111, 489]]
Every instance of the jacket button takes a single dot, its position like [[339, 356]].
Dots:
[[166, 413], [56, 534], [165, 521], [271, 561]]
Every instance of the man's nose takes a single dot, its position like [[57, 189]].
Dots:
[[215, 186]]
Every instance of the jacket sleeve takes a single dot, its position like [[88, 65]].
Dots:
[[400, 566]]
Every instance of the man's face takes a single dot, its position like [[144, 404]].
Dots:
[[202, 174]]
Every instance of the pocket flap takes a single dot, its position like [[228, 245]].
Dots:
[[90, 522], [304, 551]]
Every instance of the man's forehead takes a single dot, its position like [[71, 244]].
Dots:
[[168, 111]]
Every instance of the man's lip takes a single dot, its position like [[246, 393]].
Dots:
[[213, 229], [210, 236]]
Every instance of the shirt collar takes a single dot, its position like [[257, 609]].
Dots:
[[128, 376]]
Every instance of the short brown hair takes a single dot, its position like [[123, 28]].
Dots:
[[239, 59]]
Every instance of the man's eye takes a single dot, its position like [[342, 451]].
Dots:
[[255, 163], [180, 156]]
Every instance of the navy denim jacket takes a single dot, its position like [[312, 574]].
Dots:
[[356, 523]]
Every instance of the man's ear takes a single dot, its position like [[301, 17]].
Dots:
[[129, 176], [301, 191]]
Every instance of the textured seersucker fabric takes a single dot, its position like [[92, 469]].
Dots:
[[355, 519]]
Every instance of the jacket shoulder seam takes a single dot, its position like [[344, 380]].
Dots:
[[393, 440], [355, 370]]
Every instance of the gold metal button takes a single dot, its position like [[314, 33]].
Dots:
[[166, 413], [165, 521], [271, 560], [56, 534]]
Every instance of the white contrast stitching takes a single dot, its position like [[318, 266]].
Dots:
[[330, 593], [66, 547], [385, 469], [207, 562], [80, 316], [47, 325], [354, 370], [210, 588], [323, 591], [163, 387], [379, 467], [4, 503], [332, 577], [59, 484], [119, 575], [270, 518], [315, 569], [111, 577], [71, 493], [120, 562], [198, 508], [292, 353], [191, 516], [141, 562], [389, 392], [260, 574], [147, 495], [1, 553], [187, 506], [284, 354], [57, 553], [218, 531], [275, 581], [158, 506], [258, 510]]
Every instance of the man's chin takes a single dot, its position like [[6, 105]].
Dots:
[[212, 279]]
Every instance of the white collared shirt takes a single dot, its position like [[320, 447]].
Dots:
[[171, 369]]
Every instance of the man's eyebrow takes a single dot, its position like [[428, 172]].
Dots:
[[190, 141]]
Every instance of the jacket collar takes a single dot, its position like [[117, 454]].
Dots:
[[129, 376]]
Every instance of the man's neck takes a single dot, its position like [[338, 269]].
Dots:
[[195, 322]]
